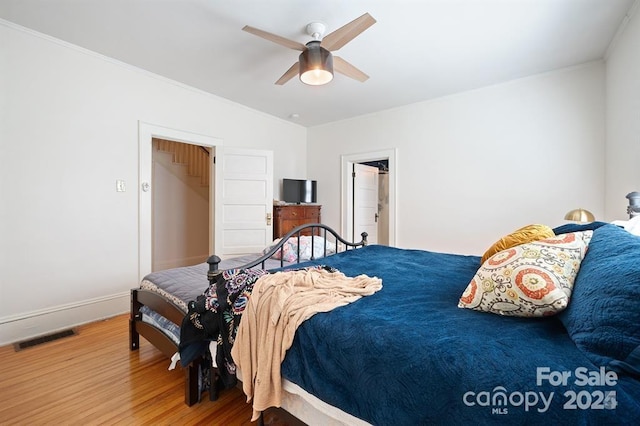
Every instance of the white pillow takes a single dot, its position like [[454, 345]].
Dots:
[[632, 225]]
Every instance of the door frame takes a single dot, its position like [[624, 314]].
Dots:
[[146, 133], [346, 188]]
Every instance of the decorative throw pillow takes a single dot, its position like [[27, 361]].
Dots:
[[289, 252], [529, 280], [286, 253], [526, 234]]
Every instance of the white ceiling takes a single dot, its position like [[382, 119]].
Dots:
[[418, 49]]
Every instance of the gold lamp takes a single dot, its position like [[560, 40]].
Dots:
[[580, 216]]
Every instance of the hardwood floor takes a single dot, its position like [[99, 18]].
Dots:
[[93, 378]]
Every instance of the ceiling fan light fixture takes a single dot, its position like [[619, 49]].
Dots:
[[316, 65]]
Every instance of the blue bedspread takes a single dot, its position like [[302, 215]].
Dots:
[[408, 355]]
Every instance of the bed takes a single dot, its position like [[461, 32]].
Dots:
[[420, 352], [159, 304]]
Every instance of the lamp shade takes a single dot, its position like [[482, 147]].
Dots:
[[580, 215], [316, 64]]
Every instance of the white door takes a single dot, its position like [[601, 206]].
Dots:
[[244, 200], [365, 202]]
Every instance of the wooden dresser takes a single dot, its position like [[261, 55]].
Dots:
[[285, 218]]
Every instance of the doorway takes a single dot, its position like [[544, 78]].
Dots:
[[386, 159], [146, 133], [181, 204]]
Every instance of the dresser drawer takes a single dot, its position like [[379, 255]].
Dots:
[[312, 213], [291, 216], [288, 225], [297, 212], [290, 212]]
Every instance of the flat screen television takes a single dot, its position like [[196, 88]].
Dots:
[[299, 191]]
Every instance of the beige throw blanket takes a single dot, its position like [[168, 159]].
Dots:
[[280, 302]]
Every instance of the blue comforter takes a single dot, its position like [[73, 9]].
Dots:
[[408, 355]]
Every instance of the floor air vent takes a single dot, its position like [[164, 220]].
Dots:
[[44, 339]]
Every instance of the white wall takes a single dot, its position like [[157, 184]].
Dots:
[[474, 166], [623, 119], [68, 130]]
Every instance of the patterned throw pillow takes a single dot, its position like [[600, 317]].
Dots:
[[289, 252], [529, 280], [526, 234]]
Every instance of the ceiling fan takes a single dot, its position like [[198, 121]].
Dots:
[[316, 63]]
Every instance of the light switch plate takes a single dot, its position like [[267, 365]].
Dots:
[[120, 186]]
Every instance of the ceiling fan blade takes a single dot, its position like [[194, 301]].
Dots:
[[289, 74], [275, 38], [348, 32], [344, 67]]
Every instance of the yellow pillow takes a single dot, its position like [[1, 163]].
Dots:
[[524, 235]]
